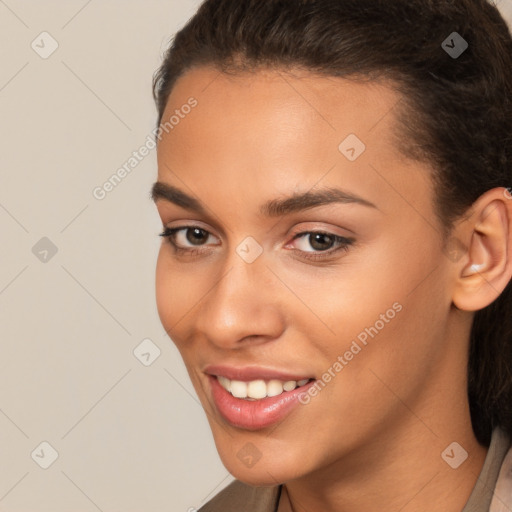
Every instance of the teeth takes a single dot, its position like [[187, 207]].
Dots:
[[238, 389], [290, 385], [258, 389], [225, 383], [274, 388]]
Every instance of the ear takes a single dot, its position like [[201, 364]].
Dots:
[[487, 268]]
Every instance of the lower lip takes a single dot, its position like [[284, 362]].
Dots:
[[255, 414]]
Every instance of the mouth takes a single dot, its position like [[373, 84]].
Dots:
[[259, 389], [254, 399]]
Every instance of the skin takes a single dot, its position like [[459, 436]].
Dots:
[[372, 438]]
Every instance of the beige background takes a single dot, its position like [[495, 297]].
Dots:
[[129, 437]]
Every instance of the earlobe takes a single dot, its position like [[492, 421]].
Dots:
[[488, 266]]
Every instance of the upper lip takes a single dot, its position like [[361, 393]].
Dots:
[[249, 373]]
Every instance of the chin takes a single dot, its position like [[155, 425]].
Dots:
[[263, 476], [269, 470]]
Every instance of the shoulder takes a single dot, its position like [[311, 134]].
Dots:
[[238, 496], [502, 497]]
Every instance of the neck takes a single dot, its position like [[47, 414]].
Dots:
[[399, 469]]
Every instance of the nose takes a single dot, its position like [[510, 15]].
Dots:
[[242, 307]]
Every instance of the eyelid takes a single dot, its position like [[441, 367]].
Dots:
[[303, 234], [312, 228], [341, 243], [170, 232], [294, 234]]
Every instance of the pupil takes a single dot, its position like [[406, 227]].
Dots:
[[198, 235], [319, 237]]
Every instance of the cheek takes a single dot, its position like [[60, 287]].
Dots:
[[180, 290], [390, 331], [168, 288], [335, 304], [382, 309], [161, 288]]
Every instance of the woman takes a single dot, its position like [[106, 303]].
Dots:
[[333, 184]]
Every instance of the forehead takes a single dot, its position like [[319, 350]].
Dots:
[[360, 103], [285, 130]]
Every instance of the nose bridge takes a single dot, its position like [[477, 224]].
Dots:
[[241, 303], [244, 268]]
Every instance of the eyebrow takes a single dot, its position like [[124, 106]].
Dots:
[[272, 208]]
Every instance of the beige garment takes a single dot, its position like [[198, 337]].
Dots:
[[494, 483], [502, 497], [239, 497], [480, 499]]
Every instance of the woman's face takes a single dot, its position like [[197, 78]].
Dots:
[[255, 295]]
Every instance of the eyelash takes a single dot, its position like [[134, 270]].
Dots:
[[343, 243]]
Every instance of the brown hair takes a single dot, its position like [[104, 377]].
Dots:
[[456, 112]]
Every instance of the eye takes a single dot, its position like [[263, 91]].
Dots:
[[180, 236], [320, 244], [313, 245]]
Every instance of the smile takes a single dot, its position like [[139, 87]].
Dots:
[[256, 403], [259, 388]]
